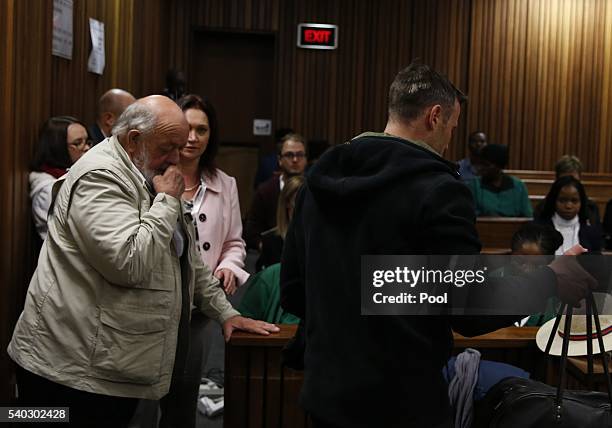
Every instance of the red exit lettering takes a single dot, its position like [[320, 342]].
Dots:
[[317, 36]]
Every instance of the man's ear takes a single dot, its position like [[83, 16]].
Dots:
[[108, 119], [132, 139], [434, 116]]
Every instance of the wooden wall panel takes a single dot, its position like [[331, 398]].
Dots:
[[539, 79], [7, 65], [136, 55], [536, 71]]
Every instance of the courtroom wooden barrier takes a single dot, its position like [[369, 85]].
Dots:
[[550, 175], [260, 392], [496, 232], [594, 189]]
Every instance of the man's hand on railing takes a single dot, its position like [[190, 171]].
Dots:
[[247, 324]]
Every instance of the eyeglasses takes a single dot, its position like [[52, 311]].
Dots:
[[81, 143], [292, 155]]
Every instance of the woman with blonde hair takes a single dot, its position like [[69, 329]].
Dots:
[[262, 297], [272, 240]]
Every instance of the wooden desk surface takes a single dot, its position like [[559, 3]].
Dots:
[[241, 338], [509, 337]]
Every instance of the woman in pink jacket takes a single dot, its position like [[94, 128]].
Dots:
[[211, 196]]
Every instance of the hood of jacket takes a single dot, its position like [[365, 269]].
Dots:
[[368, 163]]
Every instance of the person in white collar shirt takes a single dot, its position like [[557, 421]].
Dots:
[[565, 208]]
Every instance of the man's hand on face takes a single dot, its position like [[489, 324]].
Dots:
[[171, 182], [247, 324]]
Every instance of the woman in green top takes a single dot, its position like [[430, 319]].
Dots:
[[496, 193]]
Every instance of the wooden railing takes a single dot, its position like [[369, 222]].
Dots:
[[550, 175], [260, 392], [496, 232]]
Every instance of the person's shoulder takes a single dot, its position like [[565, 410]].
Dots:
[[39, 181], [220, 181], [516, 181], [39, 176], [269, 185]]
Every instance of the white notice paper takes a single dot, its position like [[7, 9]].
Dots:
[[62, 28], [262, 127], [96, 57]]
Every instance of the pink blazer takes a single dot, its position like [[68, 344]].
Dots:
[[219, 226]]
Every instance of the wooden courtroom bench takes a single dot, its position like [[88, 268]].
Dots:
[[598, 186], [496, 232], [594, 189], [550, 175], [260, 392]]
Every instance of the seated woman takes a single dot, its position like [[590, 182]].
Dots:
[[565, 208], [272, 240], [571, 165], [496, 193], [63, 140], [261, 299]]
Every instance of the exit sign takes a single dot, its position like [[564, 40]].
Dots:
[[317, 36]]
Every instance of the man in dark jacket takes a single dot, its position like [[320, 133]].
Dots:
[[389, 193]]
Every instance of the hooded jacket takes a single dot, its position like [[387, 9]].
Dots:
[[377, 194]]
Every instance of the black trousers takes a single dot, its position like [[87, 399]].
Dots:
[[179, 406], [86, 409]]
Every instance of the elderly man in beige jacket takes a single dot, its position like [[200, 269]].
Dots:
[[107, 311]]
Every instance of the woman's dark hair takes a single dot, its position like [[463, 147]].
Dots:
[[545, 236], [551, 199], [207, 160], [52, 148]]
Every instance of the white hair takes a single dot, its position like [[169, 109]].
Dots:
[[136, 116]]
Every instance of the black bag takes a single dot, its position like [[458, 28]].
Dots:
[[524, 403]]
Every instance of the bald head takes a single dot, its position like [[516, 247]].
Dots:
[[152, 131], [110, 107]]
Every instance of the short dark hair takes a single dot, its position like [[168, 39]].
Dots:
[[292, 136], [207, 160], [543, 235], [497, 154], [52, 148], [568, 164], [551, 198], [417, 87]]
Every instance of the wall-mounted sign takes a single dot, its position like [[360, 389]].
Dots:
[[62, 28], [262, 127], [317, 36], [97, 59]]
